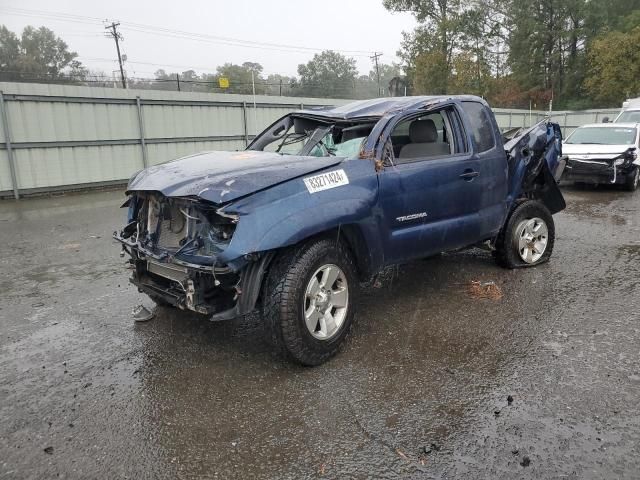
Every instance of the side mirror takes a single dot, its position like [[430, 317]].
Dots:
[[605, 120]]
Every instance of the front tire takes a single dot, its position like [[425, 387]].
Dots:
[[309, 298], [528, 237], [632, 180]]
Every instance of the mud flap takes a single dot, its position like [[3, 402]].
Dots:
[[545, 189], [562, 164]]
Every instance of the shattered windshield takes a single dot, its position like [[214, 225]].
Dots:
[[299, 143], [602, 136], [316, 138]]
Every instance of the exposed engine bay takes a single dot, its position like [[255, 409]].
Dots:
[[173, 245]]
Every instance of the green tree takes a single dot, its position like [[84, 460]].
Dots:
[[9, 50], [328, 74], [367, 85], [549, 46], [39, 53], [610, 15], [544, 44], [469, 75], [164, 81], [514, 51], [614, 67], [278, 85], [430, 73], [438, 35], [387, 72], [241, 79], [447, 29]]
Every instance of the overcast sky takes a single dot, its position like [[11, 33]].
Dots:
[[359, 26]]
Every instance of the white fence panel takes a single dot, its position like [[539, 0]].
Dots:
[[67, 137]]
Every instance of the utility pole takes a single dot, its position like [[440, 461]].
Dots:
[[178, 80], [255, 115], [117, 36], [375, 59]]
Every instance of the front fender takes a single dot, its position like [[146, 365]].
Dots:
[[288, 213]]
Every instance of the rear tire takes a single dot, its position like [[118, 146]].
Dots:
[[632, 180], [309, 297], [528, 237]]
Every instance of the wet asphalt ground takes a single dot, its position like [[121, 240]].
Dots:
[[420, 390]]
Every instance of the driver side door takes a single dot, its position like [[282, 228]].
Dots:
[[430, 200]]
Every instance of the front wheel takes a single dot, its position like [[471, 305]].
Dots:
[[309, 298], [632, 180], [528, 237]]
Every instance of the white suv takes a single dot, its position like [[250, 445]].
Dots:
[[630, 112]]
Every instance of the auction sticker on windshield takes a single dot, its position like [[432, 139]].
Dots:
[[325, 181]]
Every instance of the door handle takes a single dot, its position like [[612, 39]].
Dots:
[[469, 175]]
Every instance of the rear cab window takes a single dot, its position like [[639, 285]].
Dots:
[[481, 125]]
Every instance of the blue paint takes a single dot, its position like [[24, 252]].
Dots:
[[220, 177], [275, 208]]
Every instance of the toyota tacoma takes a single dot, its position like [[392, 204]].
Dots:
[[323, 200]]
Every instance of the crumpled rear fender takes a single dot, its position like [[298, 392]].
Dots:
[[534, 158], [287, 214]]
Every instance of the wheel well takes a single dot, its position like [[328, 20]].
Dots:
[[351, 237]]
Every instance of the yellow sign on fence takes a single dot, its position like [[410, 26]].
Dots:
[[224, 82]]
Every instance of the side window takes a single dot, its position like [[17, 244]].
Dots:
[[481, 125], [422, 137]]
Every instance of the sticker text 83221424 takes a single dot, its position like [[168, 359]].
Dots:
[[325, 181]]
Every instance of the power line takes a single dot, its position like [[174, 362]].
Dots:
[[162, 31]]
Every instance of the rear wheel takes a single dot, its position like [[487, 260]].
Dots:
[[528, 237], [308, 301], [632, 180]]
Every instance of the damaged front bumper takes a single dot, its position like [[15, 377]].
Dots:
[[600, 171], [173, 252]]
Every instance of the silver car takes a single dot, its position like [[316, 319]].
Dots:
[[604, 153]]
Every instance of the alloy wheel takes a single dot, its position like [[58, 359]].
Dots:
[[326, 301], [532, 237]]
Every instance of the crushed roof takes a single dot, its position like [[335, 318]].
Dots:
[[377, 107]]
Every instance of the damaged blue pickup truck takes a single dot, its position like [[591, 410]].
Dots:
[[323, 200]]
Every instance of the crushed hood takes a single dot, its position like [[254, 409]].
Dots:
[[220, 177]]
